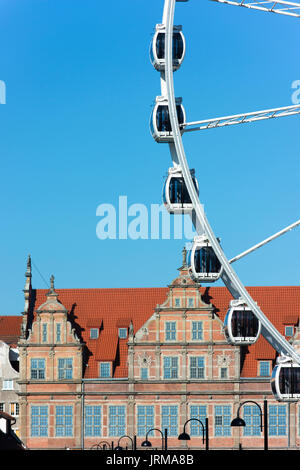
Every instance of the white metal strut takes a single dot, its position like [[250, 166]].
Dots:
[[282, 8], [264, 242], [229, 277], [241, 118]]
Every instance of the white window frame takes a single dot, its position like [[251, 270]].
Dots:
[[8, 384]]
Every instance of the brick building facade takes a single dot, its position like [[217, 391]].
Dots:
[[98, 364]]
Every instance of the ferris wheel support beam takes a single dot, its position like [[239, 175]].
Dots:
[[264, 242], [271, 6], [241, 118], [229, 277]]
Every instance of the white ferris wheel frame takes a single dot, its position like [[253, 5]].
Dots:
[[229, 276]]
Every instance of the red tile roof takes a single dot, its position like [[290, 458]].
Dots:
[[109, 309], [10, 328]]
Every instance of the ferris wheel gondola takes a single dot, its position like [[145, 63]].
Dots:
[[175, 194], [160, 124], [241, 325], [285, 380], [203, 264], [157, 47]]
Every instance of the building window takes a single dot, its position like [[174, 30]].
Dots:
[[197, 366], [177, 302], [170, 331], [37, 369], [169, 419], [122, 333], [92, 421], [14, 409], [64, 421], [277, 420], [39, 421], [252, 418], [8, 385], [2, 406], [264, 368], [144, 373], [105, 369], [145, 420], [58, 332], [65, 368], [222, 420], [94, 333], [197, 330], [117, 424], [197, 412], [289, 330], [170, 367], [44, 332], [191, 302], [223, 373]]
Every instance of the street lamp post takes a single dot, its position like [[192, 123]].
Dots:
[[164, 439], [238, 421], [133, 443], [186, 437]]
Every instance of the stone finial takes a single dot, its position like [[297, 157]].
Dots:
[[51, 291], [27, 287], [52, 283], [184, 253]]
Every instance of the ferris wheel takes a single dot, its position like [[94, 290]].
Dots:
[[207, 261]]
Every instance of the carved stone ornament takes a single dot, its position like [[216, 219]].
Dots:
[[224, 360], [144, 360]]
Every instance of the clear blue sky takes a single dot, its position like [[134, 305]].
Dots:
[[74, 134]]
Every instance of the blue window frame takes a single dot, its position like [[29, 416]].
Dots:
[[222, 420], [197, 330], [170, 331], [122, 333], [264, 369], [197, 367], [64, 421], [37, 369], [65, 368], [145, 420], [94, 333], [93, 416], [39, 421], [289, 330], [197, 412], [44, 332], [144, 373], [170, 367], [169, 419], [277, 420], [105, 369], [58, 332], [252, 418], [117, 421]]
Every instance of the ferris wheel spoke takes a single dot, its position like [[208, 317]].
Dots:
[[240, 118], [271, 6], [264, 242]]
